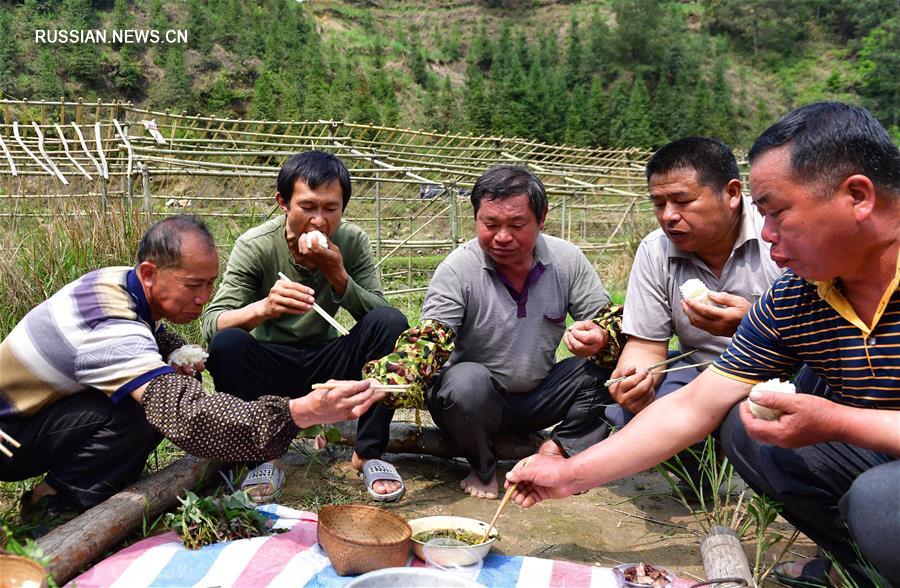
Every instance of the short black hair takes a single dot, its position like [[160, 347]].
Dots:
[[831, 141], [712, 159], [506, 181], [315, 168], [161, 244]]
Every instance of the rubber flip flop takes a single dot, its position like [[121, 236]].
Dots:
[[376, 469], [266, 473]]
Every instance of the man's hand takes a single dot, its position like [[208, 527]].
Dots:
[[722, 320], [327, 260], [189, 369], [287, 297], [540, 477], [585, 339], [805, 419], [338, 401], [636, 391]]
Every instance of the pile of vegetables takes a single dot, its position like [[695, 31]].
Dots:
[[204, 521]]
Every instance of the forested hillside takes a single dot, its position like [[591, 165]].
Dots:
[[614, 72]]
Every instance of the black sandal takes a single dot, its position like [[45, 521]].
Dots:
[[814, 574]]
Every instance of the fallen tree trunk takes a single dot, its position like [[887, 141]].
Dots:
[[84, 539], [408, 438], [723, 556]]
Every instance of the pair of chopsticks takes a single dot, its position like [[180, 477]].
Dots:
[[608, 383], [10, 440], [330, 319], [379, 387]]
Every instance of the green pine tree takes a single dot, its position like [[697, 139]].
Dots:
[[638, 131], [264, 102], [879, 69], [174, 91], [574, 56], [722, 118], [598, 115], [598, 56], [618, 113], [702, 109], [8, 53], [577, 130], [477, 105]]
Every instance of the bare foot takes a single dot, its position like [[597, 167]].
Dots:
[[474, 486], [380, 486], [549, 447]]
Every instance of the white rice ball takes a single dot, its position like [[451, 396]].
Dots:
[[696, 291], [188, 355], [774, 385], [315, 236]]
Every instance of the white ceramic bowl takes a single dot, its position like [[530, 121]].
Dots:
[[451, 556]]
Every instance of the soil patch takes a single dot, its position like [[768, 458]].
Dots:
[[633, 519]]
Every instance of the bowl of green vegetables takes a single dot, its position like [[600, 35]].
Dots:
[[451, 541]]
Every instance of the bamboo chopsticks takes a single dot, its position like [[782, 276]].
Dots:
[[509, 493], [385, 387], [608, 383], [330, 319], [10, 440]]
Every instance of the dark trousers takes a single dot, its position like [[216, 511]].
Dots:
[[244, 367], [825, 488], [89, 447], [472, 407]]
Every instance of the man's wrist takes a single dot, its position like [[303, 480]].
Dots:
[[300, 413], [340, 282]]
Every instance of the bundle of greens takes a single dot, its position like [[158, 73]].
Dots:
[[419, 354], [203, 521]]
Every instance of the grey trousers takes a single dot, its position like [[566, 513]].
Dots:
[[469, 404], [824, 489]]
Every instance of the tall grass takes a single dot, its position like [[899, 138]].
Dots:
[[41, 256]]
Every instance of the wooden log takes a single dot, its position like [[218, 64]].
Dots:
[[408, 438], [723, 556], [86, 538]]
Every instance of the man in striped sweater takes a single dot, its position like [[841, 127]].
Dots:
[[86, 390], [826, 177]]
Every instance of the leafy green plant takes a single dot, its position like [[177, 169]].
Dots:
[[203, 521], [763, 511], [717, 479]]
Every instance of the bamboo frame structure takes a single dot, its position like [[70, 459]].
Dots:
[[409, 187]]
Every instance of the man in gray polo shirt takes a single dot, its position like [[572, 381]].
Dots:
[[500, 303], [708, 231]]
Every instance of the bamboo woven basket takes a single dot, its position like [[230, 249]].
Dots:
[[360, 538], [16, 571]]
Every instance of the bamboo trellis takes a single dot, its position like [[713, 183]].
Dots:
[[409, 187]]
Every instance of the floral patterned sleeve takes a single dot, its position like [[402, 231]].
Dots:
[[418, 355], [610, 318]]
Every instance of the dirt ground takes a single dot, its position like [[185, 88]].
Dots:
[[634, 519]]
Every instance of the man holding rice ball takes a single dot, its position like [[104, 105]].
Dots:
[[264, 337], [826, 177], [708, 238]]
